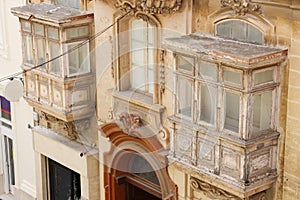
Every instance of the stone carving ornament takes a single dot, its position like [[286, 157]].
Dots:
[[130, 122], [241, 7], [150, 6], [211, 190]]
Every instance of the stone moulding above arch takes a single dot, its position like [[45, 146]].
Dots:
[[150, 6], [149, 148], [257, 20]]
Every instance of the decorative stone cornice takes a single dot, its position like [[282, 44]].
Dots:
[[212, 191], [150, 6], [241, 7]]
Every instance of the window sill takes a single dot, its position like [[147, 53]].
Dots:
[[140, 104], [138, 99]]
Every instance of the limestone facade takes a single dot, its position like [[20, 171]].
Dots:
[[254, 156]]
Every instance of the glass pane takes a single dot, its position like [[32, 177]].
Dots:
[[6, 125], [150, 79], [239, 31], [150, 35], [53, 33], [231, 112], [137, 33], [40, 49], [233, 77], [28, 55], [78, 32], [69, 3], [39, 29], [143, 169], [208, 103], [79, 62], [26, 26], [224, 29], [137, 58], [185, 97], [263, 77], [137, 76], [254, 35], [11, 161], [150, 56], [186, 64], [262, 111], [208, 70], [54, 52], [5, 109], [63, 182]]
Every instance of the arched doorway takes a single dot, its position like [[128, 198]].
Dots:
[[136, 178], [135, 169]]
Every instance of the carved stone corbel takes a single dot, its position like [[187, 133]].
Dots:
[[130, 122], [241, 7], [210, 190]]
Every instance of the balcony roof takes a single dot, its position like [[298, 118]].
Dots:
[[49, 12], [224, 49]]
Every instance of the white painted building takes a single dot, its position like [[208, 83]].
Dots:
[[17, 168]]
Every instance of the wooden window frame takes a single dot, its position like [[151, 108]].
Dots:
[[145, 52], [122, 64], [222, 86]]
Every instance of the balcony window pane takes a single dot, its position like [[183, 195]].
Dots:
[[53, 33], [73, 33], [26, 26], [262, 111], [208, 70], [208, 103], [78, 58], [39, 29], [28, 55], [186, 64], [54, 52], [231, 112], [40, 49], [263, 77], [233, 77], [185, 97]]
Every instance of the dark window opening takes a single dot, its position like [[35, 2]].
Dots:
[[64, 183]]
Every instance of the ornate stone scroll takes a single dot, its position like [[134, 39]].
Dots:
[[151, 6], [241, 7], [211, 190]]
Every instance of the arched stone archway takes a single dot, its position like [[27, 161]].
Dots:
[[126, 152]]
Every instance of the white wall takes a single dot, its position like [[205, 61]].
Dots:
[[10, 62]]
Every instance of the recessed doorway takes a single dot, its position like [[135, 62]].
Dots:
[[64, 183]]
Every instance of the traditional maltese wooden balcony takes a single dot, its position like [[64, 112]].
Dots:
[[225, 122], [60, 85]]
